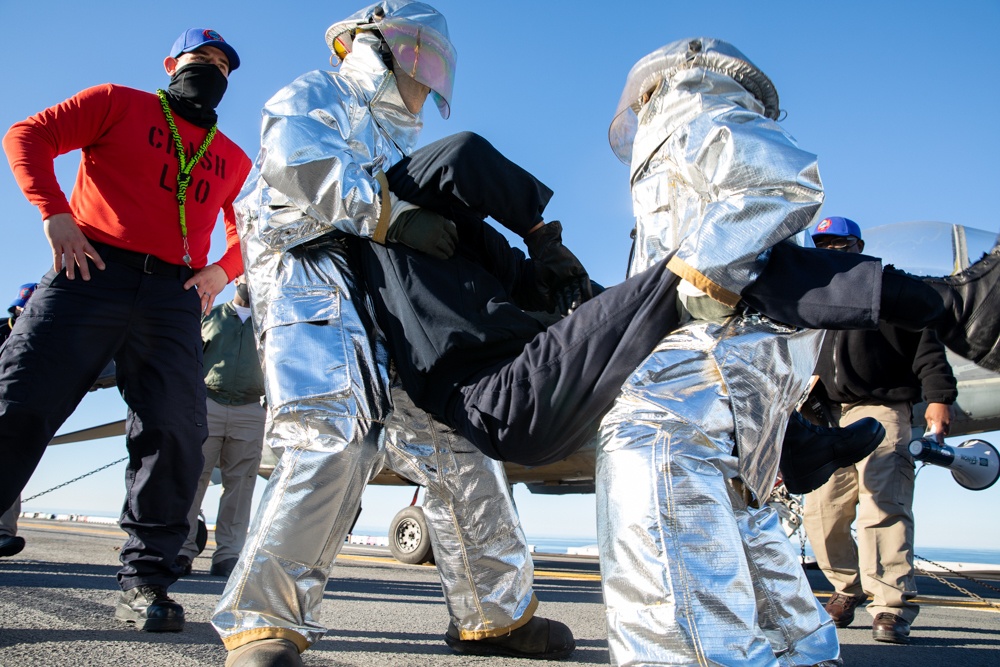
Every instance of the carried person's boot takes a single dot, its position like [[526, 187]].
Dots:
[[963, 309], [539, 639], [810, 453]]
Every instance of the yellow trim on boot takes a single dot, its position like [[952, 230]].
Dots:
[[472, 635], [695, 277], [233, 642]]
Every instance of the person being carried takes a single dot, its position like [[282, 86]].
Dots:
[[130, 281], [876, 373]]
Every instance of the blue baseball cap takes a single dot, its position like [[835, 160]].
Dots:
[[197, 37], [836, 226], [23, 294]]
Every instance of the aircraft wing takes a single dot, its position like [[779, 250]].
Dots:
[[574, 474], [937, 249], [108, 430]]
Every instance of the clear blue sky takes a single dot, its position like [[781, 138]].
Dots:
[[898, 99]]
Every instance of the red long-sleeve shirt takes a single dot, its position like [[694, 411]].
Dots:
[[125, 192]]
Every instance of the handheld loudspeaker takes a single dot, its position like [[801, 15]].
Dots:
[[975, 464]]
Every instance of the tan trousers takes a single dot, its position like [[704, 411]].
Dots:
[[235, 438], [877, 493]]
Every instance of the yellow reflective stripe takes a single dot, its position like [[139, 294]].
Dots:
[[382, 228]]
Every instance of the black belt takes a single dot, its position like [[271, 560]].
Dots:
[[145, 263]]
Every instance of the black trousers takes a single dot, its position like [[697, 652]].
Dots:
[[65, 337], [463, 176], [543, 403]]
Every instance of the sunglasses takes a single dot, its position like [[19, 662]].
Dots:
[[837, 243]]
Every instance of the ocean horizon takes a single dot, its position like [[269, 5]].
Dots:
[[563, 544]]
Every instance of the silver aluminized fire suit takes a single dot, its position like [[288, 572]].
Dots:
[[326, 139], [696, 567]]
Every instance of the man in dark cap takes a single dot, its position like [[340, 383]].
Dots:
[[876, 373], [130, 281]]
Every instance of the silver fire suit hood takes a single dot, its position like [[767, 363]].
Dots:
[[416, 34], [709, 114], [709, 54]]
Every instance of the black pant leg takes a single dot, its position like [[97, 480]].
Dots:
[[463, 175], [66, 335], [815, 288], [161, 378], [543, 404]]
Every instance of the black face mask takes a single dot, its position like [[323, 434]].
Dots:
[[194, 92], [243, 292]]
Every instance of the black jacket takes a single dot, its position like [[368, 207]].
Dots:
[[887, 364], [446, 320]]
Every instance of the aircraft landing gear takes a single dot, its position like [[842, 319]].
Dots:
[[409, 539]]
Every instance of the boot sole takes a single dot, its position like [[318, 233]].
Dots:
[[890, 638], [127, 614], [482, 648], [818, 478], [844, 621]]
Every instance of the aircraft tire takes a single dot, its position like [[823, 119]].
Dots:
[[409, 539]]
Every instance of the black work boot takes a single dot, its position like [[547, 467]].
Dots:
[[539, 638], [963, 309], [150, 606], [11, 545], [265, 653], [810, 453]]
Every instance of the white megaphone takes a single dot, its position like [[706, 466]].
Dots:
[[975, 464]]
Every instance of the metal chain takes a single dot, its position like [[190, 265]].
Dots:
[[955, 586], [782, 496], [24, 500]]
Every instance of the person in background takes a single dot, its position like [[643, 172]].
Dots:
[[11, 543], [24, 292], [130, 281], [235, 387], [874, 373]]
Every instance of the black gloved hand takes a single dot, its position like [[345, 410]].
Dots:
[[561, 276], [425, 231]]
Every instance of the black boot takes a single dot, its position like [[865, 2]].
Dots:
[[538, 639], [810, 453], [150, 606], [963, 309]]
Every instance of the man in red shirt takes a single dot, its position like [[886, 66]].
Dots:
[[129, 282]]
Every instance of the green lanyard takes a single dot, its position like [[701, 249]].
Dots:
[[184, 168]]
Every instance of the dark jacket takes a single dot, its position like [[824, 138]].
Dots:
[[446, 320], [887, 364], [233, 374]]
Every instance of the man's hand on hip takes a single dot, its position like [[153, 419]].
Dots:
[[70, 248], [209, 281]]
